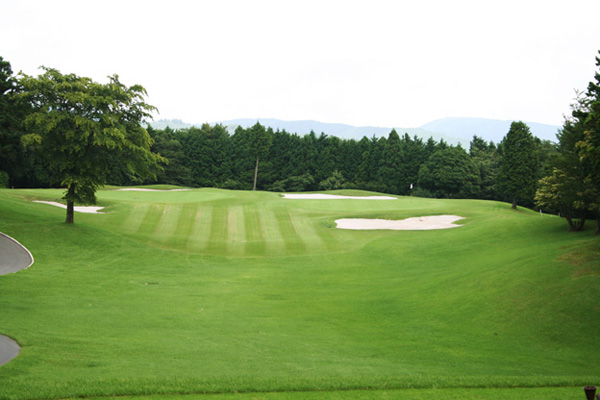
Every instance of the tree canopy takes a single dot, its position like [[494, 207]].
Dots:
[[589, 147], [450, 173], [79, 129]]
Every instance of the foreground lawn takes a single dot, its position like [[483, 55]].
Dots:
[[560, 393], [213, 291]]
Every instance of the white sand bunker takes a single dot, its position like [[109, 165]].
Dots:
[[408, 224], [322, 196], [82, 209]]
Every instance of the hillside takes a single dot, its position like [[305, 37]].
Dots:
[[489, 129]]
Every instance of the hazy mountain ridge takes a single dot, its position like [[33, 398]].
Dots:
[[489, 129], [452, 130]]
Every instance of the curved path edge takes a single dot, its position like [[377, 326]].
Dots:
[[13, 257], [9, 349]]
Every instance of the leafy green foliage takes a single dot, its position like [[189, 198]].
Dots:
[[14, 160], [486, 160], [80, 128], [590, 145], [573, 188], [300, 183], [560, 192], [450, 173], [4, 179], [335, 182]]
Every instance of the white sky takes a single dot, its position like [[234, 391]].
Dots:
[[365, 63]]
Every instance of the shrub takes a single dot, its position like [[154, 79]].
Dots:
[[3, 179]]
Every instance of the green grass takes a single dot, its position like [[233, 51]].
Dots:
[[412, 394], [214, 291]]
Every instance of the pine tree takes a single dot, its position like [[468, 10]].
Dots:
[[517, 175]]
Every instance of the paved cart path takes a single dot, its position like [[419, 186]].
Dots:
[[13, 257]]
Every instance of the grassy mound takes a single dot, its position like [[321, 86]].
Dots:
[[213, 291]]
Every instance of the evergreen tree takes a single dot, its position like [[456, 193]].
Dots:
[[168, 145], [16, 165], [589, 147], [449, 173], [390, 172], [260, 141], [518, 172], [486, 159]]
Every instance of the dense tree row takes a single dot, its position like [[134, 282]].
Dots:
[[209, 156]]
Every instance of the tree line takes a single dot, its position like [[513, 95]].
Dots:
[[68, 131], [259, 157]]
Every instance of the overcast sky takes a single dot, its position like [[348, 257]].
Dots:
[[365, 63]]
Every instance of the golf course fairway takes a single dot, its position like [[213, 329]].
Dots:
[[217, 294]]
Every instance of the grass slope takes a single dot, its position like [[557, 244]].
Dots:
[[213, 291]]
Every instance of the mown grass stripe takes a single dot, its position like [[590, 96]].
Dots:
[[218, 231], [236, 231], [274, 243], [305, 228], [201, 229], [292, 241], [165, 230], [151, 220], [134, 218], [255, 243], [184, 226]]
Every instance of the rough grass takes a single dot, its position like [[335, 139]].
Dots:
[[213, 291]]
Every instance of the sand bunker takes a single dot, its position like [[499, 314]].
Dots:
[[322, 196], [82, 209], [408, 224]]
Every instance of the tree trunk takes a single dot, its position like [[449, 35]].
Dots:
[[514, 204], [575, 225], [70, 205], [70, 212], [570, 222], [580, 224], [255, 174]]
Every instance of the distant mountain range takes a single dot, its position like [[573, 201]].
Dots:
[[451, 130]]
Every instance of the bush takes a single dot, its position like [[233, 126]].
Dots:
[[299, 183], [233, 185], [3, 179], [334, 182]]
